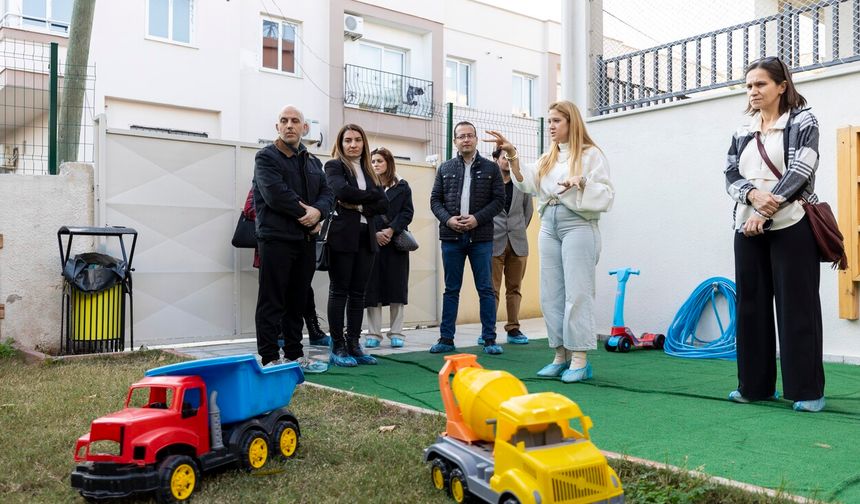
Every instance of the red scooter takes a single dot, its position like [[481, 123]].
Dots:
[[622, 339]]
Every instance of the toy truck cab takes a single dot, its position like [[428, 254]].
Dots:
[[159, 412], [543, 454]]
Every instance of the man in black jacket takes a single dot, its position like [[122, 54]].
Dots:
[[291, 197], [467, 193]]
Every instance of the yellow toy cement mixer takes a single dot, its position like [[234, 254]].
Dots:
[[504, 445]]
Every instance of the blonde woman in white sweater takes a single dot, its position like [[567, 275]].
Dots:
[[571, 182]]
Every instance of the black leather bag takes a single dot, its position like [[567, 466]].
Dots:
[[245, 235], [405, 241], [322, 246]]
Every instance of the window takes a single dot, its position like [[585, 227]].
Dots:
[[523, 93], [279, 45], [54, 15], [458, 82], [381, 58], [170, 19]]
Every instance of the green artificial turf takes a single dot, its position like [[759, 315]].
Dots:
[[649, 405]]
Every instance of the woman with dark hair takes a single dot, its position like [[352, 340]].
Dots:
[[351, 241], [389, 278], [771, 167]]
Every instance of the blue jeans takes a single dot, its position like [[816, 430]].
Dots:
[[480, 254]]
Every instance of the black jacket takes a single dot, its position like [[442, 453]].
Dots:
[[345, 223], [280, 183], [400, 210], [486, 197]]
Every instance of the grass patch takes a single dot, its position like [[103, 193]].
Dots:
[[343, 455], [6, 349]]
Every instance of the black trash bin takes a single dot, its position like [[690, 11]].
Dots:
[[97, 294]]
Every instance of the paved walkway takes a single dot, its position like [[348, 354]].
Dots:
[[416, 340]]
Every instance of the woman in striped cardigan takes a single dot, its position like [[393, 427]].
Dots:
[[771, 166]]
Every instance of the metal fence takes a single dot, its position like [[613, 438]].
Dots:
[[806, 34], [527, 134], [393, 93], [34, 80]]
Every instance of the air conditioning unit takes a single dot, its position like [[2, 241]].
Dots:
[[314, 134], [353, 26]]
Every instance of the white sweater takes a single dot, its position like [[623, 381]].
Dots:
[[597, 196]]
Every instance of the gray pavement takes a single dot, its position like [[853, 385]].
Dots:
[[416, 340]]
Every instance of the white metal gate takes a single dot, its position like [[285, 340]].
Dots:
[[183, 195]]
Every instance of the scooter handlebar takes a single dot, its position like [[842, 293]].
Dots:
[[629, 271]]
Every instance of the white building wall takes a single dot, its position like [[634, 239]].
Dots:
[[30, 280], [263, 92], [200, 75], [672, 216]]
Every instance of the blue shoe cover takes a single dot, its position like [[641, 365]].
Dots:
[[365, 359], [735, 396], [371, 342], [493, 349], [576, 375], [520, 339], [397, 342], [553, 370], [813, 406], [342, 361], [442, 348], [480, 341], [326, 341]]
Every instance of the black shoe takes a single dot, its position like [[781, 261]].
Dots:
[[313, 325], [353, 346]]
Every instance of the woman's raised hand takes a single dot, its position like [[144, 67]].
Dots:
[[570, 182], [501, 142]]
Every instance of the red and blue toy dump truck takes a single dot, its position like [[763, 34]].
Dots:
[[187, 418]]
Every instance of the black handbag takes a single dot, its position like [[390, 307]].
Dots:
[[405, 241], [322, 245], [245, 235]]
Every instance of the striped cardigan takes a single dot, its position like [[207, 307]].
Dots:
[[800, 144]]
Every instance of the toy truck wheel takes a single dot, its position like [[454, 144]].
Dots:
[[178, 476], [510, 500], [608, 347], [625, 344], [659, 341], [457, 487], [439, 474], [253, 450], [286, 438]]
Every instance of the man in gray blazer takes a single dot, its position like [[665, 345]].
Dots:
[[511, 249]]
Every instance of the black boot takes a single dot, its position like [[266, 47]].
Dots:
[[315, 333], [355, 350], [339, 354]]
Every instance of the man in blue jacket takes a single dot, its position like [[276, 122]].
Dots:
[[467, 193], [291, 197]]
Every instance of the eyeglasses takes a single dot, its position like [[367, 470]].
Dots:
[[465, 136]]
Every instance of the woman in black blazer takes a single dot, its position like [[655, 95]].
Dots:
[[351, 241], [389, 278]]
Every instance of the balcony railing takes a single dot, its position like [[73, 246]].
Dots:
[[674, 71], [387, 92]]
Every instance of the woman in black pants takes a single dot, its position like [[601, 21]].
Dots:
[[351, 241], [389, 278], [771, 167]]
